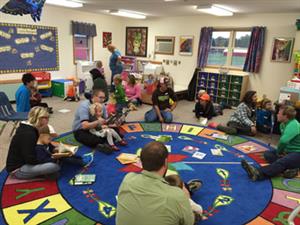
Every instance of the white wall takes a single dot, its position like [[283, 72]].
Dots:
[[272, 75], [61, 18]]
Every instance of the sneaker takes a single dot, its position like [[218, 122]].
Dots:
[[290, 173], [227, 130], [253, 173], [194, 185], [123, 143], [104, 148], [115, 148]]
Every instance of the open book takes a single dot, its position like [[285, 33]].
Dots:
[[64, 148], [126, 158], [82, 179]]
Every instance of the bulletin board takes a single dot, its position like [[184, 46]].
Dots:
[[26, 48]]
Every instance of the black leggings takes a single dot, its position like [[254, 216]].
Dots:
[[88, 139], [241, 129]]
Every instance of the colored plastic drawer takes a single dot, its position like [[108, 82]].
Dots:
[[235, 87], [212, 84], [223, 86], [213, 77], [236, 80], [222, 93], [202, 76], [224, 78], [234, 95]]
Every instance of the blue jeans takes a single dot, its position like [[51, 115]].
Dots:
[[28, 171], [280, 164], [151, 116]]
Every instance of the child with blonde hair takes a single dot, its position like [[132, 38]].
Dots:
[[103, 130], [175, 180]]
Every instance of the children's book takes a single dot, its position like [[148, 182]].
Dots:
[[190, 149], [83, 179], [127, 158], [199, 155], [64, 148], [216, 152], [220, 136]]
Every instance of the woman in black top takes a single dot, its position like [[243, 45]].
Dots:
[[21, 160]]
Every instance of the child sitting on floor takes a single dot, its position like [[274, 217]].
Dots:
[[104, 130], [264, 116], [120, 96], [175, 180], [73, 92], [36, 100], [46, 152], [204, 107]]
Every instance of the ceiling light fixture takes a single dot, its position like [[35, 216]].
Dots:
[[125, 13], [214, 10], [65, 3]]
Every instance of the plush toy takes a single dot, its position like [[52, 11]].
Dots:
[[20, 7]]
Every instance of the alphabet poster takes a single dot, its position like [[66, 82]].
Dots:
[[26, 48]]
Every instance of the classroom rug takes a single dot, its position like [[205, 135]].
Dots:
[[227, 196]]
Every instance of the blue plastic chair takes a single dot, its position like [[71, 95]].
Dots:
[[8, 114]]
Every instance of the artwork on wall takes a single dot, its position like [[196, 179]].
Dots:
[[186, 45], [136, 41], [164, 45], [282, 49], [106, 39], [28, 48]]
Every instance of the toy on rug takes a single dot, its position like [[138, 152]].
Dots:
[[20, 7], [73, 92]]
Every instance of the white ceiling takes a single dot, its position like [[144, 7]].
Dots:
[[160, 8]]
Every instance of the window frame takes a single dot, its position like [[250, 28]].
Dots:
[[231, 45], [90, 48]]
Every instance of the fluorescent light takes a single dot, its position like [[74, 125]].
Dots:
[[214, 10], [64, 3], [125, 13]]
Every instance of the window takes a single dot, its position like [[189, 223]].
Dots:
[[83, 48], [229, 48]]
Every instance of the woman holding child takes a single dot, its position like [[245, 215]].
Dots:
[[21, 160]]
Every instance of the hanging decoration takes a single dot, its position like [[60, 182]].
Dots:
[[23, 7]]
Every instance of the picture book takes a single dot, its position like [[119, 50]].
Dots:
[[199, 155], [127, 158], [64, 148], [220, 136], [83, 179]]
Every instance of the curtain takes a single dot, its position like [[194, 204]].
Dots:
[[204, 46], [87, 29], [255, 50]]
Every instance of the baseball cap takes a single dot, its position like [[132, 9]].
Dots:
[[205, 97]]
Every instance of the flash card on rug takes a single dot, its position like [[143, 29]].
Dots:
[[199, 155], [216, 152], [190, 149]]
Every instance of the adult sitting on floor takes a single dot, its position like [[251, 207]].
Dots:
[[99, 81], [21, 160], [162, 108], [82, 124], [147, 198], [24, 92], [243, 120], [286, 159]]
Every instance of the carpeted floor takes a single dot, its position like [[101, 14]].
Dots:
[[227, 196]]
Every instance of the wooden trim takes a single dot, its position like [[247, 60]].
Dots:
[[16, 81], [232, 28]]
